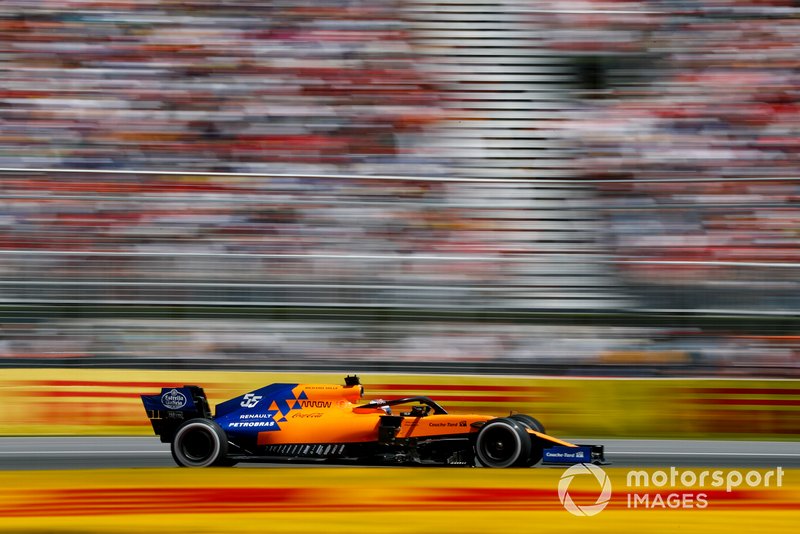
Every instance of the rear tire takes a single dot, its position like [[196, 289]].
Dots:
[[200, 443], [502, 443], [537, 448]]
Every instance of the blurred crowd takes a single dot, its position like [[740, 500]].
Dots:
[[437, 346], [103, 238], [687, 91], [245, 86], [682, 123]]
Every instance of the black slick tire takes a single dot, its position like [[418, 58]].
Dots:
[[199, 443], [502, 442]]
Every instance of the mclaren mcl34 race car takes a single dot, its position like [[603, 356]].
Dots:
[[331, 423]]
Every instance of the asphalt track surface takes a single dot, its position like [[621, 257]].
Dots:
[[40, 453]]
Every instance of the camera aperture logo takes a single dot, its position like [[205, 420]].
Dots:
[[582, 470]]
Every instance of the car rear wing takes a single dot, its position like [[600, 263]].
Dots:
[[173, 406]]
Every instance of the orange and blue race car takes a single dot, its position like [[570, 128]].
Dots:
[[331, 423]]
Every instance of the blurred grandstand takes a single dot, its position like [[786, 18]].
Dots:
[[513, 186]]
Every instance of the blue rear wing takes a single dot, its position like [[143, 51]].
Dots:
[[174, 405], [170, 399]]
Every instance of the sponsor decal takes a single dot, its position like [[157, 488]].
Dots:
[[571, 455], [251, 424], [255, 416], [250, 400], [315, 404], [174, 400], [303, 415], [451, 424]]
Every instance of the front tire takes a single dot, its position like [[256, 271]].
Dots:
[[537, 448], [199, 443], [502, 443], [530, 422]]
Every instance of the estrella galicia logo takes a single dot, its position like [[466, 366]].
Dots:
[[173, 399], [590, 509]]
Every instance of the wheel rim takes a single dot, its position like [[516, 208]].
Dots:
[[197, 445], [499, 445]]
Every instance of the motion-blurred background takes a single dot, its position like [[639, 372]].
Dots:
[[462, 186]]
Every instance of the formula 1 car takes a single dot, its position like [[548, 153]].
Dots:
[[325, 422]]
